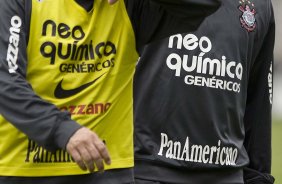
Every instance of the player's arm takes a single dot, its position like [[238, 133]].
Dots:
[[258, 113], [39, 120], [189, 8], [156, 19]]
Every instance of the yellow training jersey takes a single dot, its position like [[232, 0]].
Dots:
[[83, 62]]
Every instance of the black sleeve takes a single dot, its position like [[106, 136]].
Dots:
[[258, 113], [38, 119], [155, 19], [189, 8]]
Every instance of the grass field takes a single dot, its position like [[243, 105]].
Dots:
[[277, 151]]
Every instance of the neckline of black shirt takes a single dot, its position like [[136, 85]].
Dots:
[[86, 4]]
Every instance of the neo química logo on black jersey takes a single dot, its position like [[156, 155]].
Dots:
[[198, 68]]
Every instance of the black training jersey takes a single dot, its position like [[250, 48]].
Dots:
[[202, 100]]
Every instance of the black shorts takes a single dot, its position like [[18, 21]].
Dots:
[[141, 181], [114, 176]]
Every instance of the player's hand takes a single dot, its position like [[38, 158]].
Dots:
[[88, 151], [112, 1]]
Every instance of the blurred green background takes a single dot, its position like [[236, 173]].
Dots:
[[277, 151], [277, 98]]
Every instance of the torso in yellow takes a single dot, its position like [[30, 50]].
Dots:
[[82, 62]]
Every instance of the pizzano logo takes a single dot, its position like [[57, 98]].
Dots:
[[13, 47]]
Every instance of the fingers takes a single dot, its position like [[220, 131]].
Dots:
[[77, 158], [88, 150], [103, 151], [100, 165], [95, 158], [87, 159]]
